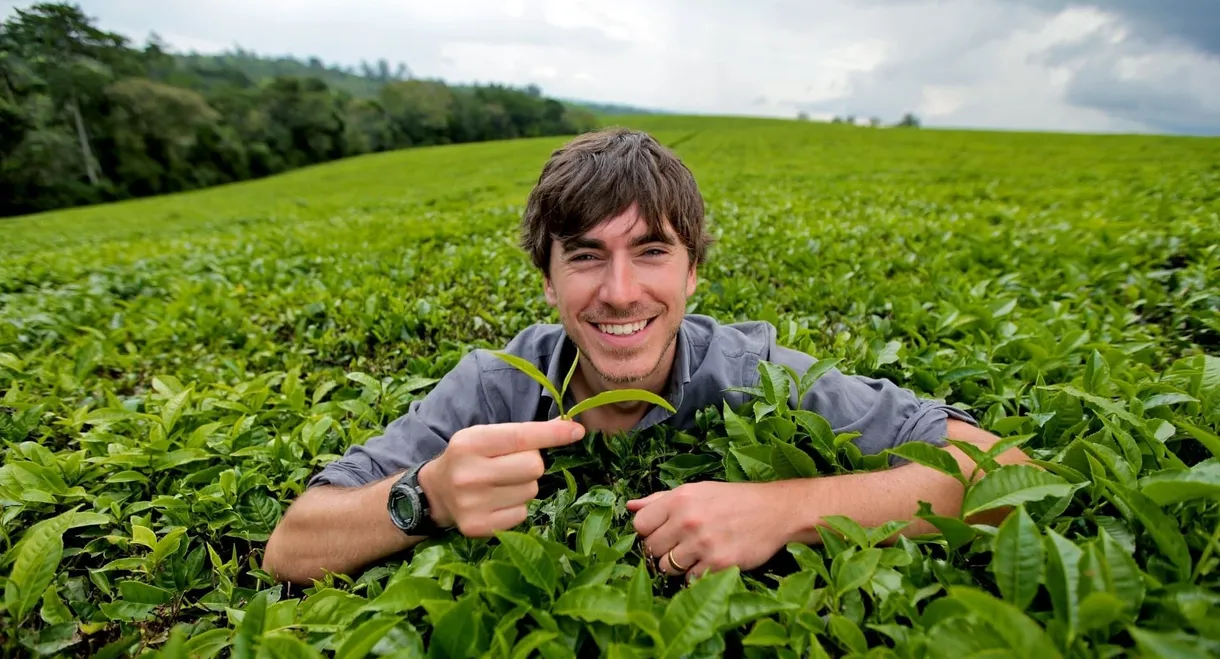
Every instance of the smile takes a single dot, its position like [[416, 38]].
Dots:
[[622, 329]]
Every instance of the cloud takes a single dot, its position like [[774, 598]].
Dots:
[[1051, 64], [1195, 23], [1171, 92], [1118, 65]]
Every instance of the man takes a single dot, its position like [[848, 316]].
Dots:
[[616, 225]]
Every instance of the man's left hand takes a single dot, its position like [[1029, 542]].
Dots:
[[712, 526]]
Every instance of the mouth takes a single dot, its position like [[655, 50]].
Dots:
[[623, 333]]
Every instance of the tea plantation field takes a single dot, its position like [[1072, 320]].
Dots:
[[172, 371]]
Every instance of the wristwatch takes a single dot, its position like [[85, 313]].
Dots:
[[408, 505]]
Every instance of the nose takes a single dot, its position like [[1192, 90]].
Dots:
[[621, 286]]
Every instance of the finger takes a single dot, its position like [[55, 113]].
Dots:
[[698, 570], [680, 555], [665, 537], [513, 495], [515, 468], [636, 504], [651, 517], [505, 438], [476, 503], [497, 520]]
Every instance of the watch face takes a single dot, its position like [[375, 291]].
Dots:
[[405, 508]]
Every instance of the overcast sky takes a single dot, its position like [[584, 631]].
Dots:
[[1108, 65]]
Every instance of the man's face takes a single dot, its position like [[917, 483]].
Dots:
[[621, 295]]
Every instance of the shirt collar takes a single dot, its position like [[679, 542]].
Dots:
[[565, 350]]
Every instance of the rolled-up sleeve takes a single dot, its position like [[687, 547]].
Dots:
[[457, 401], [884, 414]]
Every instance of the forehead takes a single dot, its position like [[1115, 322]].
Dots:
[[629, 228]]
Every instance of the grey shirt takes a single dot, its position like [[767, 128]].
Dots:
[[710, 358]]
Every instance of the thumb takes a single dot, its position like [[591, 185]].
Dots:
[[635, 505]]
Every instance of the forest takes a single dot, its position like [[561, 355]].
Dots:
[[86, 116]]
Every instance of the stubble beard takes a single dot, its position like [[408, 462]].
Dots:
[[619, 353], [632, 379]]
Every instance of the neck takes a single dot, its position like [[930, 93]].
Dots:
[[587, 383]]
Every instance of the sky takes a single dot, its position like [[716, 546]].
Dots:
[[1058, 65]]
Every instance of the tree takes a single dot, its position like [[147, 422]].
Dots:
[[418, 111], [71, 58], [301, 121], [153, 128], [85, 117], [909, 120], [367, 127]]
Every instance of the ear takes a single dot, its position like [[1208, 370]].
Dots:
[[692, 279], [549, 289]]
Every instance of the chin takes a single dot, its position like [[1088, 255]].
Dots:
[[626, 378], [625, 359], [618, 371]]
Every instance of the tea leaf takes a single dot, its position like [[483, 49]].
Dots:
[[1018, 558], [532, 371], [37, 559], [1010, 485], [929, 456], [1168, 487], [618, 396], [1063, 578], [364, 637], [528, 555], [1019, 632], [596, 603], [1163, 528], [694, 614], [816, 371]]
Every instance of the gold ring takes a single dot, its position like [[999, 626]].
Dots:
[[672, 562]]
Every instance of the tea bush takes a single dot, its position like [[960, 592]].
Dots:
[[173, 370]]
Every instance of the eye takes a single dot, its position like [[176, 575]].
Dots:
[[581, 257], [655, 251]]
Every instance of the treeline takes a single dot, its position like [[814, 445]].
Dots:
[[86, 117]]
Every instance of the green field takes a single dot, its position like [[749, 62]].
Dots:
[[173, 369]]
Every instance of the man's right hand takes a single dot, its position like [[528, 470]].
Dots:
[[487, 474]]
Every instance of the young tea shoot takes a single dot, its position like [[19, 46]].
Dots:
[[598, 400]]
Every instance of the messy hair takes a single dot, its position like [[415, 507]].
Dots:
[[599, 175]]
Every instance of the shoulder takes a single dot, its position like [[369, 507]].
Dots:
[[720, 356], [508, 394], [732, 340], [483, 373], [535, 344]]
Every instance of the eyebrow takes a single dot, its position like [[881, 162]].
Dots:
[[581, 242]]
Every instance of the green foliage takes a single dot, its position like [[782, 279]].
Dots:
[[604, 398], [173, 370], [88, 117]]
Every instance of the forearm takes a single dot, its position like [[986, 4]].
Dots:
[[331, 529], [874, 498]]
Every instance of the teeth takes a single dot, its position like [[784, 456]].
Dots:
[[622, 330]]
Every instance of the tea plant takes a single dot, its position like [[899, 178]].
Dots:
[[173, 370], [604, 398]]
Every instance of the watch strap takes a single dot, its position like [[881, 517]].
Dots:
[[424, 524]]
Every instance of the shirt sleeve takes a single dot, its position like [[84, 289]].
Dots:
[[884, 414], [457, 401]]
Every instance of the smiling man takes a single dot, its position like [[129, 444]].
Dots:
[[616, 226]]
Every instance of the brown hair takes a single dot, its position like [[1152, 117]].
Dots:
[[599, 175]]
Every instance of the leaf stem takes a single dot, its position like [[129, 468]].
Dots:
[[1207, 551]]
